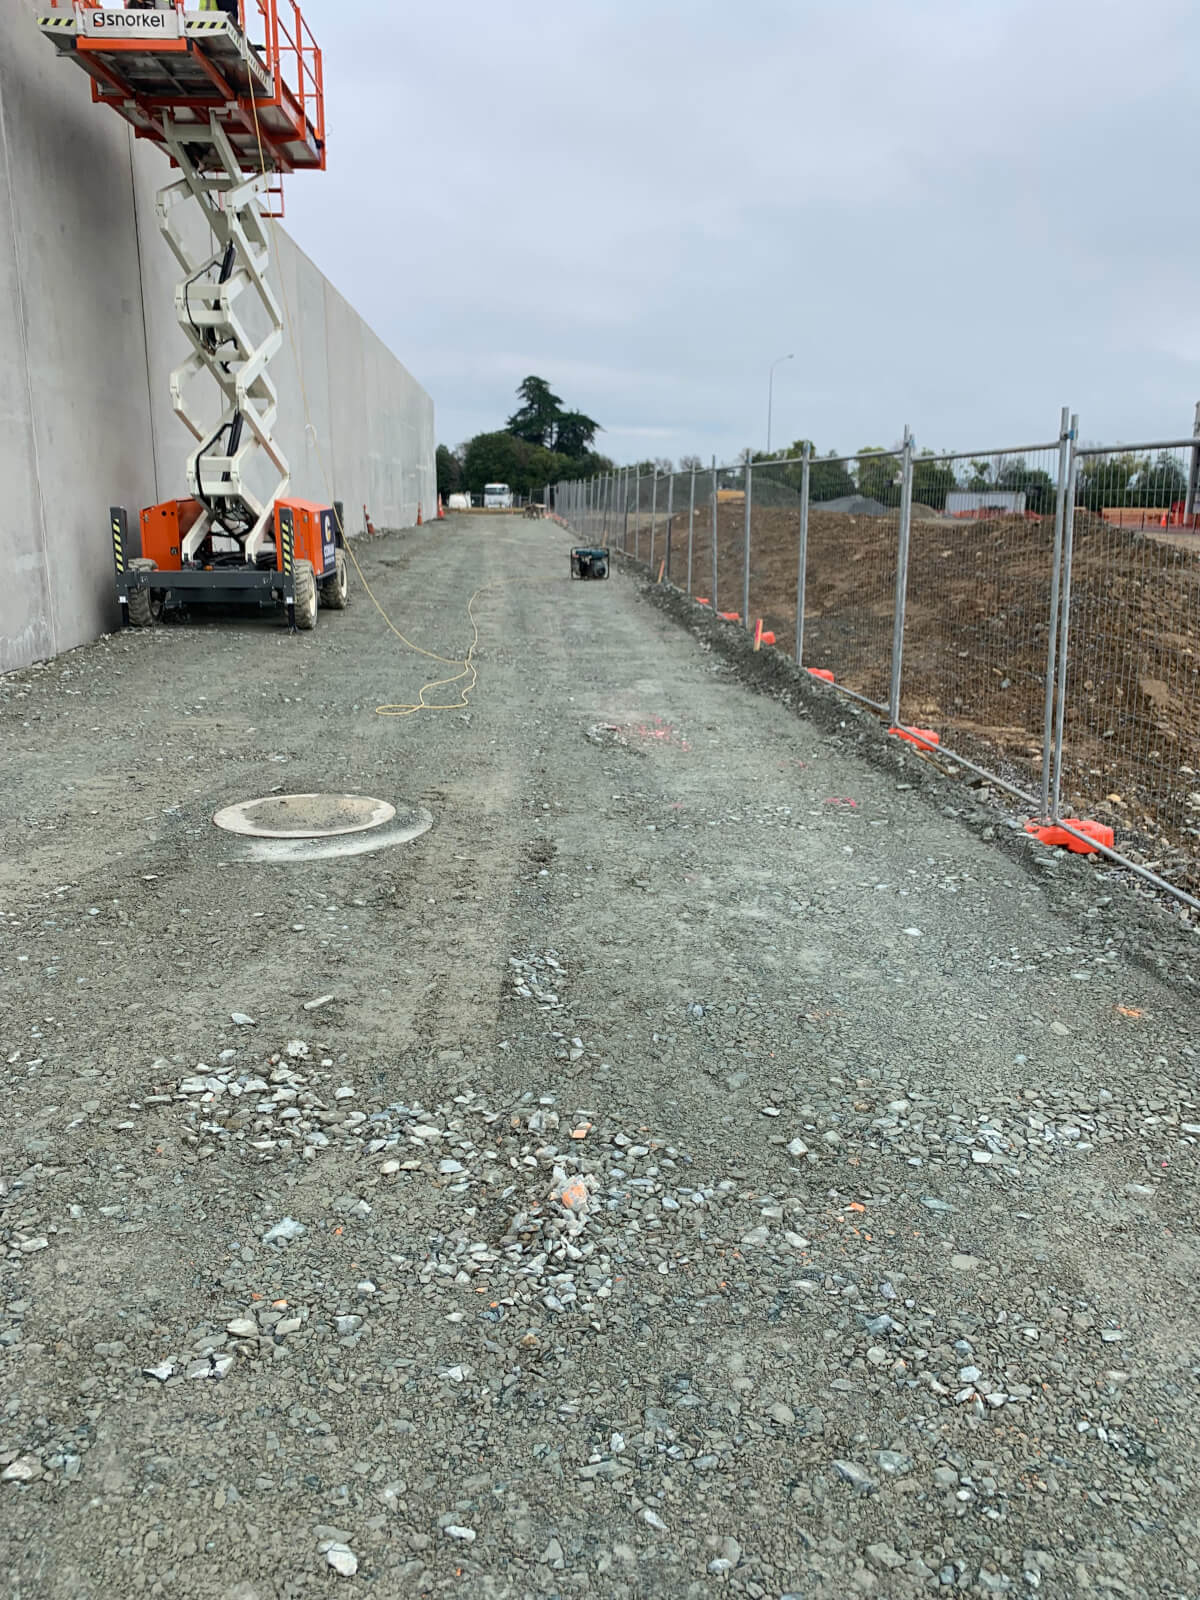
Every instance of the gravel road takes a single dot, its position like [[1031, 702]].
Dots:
[[726, 1158]]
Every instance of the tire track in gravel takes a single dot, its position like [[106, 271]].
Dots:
[[837, 1259]]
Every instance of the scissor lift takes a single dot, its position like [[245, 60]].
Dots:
[[237, 106]]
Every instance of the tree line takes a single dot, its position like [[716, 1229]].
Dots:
[[545, 443], [541, 443], [1123, 479]]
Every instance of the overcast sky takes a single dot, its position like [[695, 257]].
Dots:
[[959, 214]]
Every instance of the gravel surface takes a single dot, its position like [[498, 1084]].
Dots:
[[718, 1157]]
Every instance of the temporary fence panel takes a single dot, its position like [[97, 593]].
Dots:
[[850, 595], [978, 625], [654, 482], [776, 516], [702, 583], [1037, 608], [645, 516], [669, 528], [1129, 717], [691, 528]]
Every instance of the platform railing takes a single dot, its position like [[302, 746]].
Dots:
[[286, 48]]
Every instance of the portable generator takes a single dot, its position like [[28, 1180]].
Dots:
[[589, 561]]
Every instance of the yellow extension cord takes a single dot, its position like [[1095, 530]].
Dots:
[[465, 664]]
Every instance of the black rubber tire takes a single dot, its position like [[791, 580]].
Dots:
[[306, 596], [145, 605], [335, 590]]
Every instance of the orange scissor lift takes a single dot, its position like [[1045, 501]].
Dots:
[[237, 104]]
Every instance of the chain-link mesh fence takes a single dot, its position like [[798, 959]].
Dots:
[[977, 626], [1130, 722], [1038, 608], [775, 520], [850, 594]]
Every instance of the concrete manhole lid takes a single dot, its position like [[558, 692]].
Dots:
[[304, 816]]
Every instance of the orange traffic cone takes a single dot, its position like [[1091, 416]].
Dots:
[[420, 518], [441, 516], [370, 525]]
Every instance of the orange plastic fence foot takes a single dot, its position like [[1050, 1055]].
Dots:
[[767, 637], [822, 673], [917, 736], [1096, 833]]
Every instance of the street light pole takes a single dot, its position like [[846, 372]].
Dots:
[[771, 396]]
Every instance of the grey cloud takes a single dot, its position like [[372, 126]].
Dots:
[[957, 215]]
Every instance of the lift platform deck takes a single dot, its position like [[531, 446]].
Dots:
[[261, 77]]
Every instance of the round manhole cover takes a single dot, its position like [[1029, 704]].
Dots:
[[305, 816]]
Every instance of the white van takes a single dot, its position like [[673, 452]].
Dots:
[[497, 497]]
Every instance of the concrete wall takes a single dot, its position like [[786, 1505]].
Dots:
[[88, 338]]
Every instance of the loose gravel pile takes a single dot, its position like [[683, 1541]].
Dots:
[[698, 1166]]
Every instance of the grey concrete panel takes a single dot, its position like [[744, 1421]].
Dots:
[[26, 622], [76, 317], [90, 338]]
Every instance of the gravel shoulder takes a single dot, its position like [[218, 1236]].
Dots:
[[731, 1160]]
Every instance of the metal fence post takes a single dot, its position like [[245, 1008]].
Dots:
[[691, 525], [901, 576], [670, 517], [625, 529], [653, 514], [1189, 505], [1065, 623], [1065, 453], [715, 501], [746, 545], [802, 561]]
